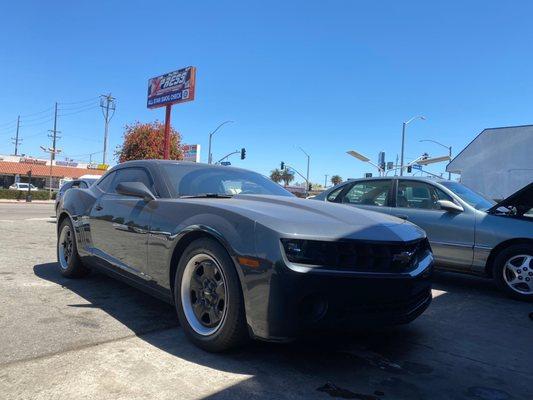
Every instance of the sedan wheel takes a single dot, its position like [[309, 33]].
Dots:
[[65, 246], [67, 252], [203, 294], [513, 271], [518, 273], [208, 297]]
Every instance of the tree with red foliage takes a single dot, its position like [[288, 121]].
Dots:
[[145, 141]]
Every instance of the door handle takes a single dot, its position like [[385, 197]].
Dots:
[[402, 216], [98, 207]]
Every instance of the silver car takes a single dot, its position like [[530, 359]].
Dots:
[[468, 233]]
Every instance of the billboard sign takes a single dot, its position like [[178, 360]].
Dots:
[[191, 152], [171, 88]]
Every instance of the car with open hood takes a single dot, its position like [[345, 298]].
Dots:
[[467, 232], [239, 256]]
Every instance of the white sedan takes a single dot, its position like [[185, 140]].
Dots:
[[22, 186]]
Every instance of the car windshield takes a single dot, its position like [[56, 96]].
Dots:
[[476, 200], [197, 180]]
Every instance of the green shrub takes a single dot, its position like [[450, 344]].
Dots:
[[21, 194]]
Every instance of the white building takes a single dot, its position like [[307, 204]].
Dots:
[[498, 162]]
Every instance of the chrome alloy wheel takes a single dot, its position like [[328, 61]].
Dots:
[[204, 294], [518, 273], [65, 246]]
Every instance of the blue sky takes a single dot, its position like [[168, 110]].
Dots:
[[327, 76]]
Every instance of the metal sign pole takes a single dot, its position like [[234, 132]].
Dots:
[[166, 142]]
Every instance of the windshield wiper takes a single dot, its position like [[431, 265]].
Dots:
[[207, 196]]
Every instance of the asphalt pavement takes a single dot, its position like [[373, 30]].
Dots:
[[97, 338]]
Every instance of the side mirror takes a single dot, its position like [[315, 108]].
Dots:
[[136, 189], [450, 206]]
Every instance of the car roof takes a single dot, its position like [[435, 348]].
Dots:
[[409, 178], [140, 163]]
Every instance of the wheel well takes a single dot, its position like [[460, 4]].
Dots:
[[503, 245], [60, 219], [180, 248]]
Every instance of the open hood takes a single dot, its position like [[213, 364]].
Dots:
[[522, 200]]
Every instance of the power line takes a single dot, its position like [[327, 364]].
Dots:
[[79, 111], [80, 101], [38, 112]]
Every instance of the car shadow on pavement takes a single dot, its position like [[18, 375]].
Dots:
[[389, 363]]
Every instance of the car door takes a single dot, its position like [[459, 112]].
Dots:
[[372, 195], [119, 224], [451, 234]]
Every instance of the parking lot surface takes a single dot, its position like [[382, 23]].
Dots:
[[97, 338]]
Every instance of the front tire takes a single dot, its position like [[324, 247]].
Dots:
[[67, 252], [208, 297], [513, 271]]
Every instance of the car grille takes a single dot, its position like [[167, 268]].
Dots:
[[352, 255]]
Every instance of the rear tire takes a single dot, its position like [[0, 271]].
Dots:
[[513, 271], [208, 297], [67, 252]]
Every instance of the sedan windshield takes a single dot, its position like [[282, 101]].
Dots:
[[217, 182], [476, 200]]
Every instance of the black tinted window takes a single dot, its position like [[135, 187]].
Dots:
[[132, 175], [192, 180], [65, 187], [106, 182]]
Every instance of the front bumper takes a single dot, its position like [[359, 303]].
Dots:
[[303, 300]]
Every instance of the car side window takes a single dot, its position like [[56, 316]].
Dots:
[[133, 175], [371, 193], [83, 185], [65, 187], [333, 195], [419, 195], [105, 183]]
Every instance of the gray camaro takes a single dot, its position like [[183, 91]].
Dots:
[[468, 233], [238, 255]]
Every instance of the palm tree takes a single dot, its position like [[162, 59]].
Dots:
[[336, 179], [287, 176], [276, 175]]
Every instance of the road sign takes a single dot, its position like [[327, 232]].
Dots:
[[174, 87], [191, 152], [416, 166], [225, 163]]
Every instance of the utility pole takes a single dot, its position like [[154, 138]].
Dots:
[[52, 152], [107, 103], [326, 181], [54, 134], [16, 140]]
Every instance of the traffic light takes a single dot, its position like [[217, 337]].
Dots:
[[409, 169], [310, 187], [282, 165], [243, 153]]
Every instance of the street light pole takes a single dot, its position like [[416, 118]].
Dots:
[[307, 175], [446, 147], [209, 155], [404, 127]]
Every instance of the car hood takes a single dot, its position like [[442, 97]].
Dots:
[[522, 200], [294, 217]]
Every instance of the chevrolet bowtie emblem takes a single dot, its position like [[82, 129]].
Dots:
[[404, 257]]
